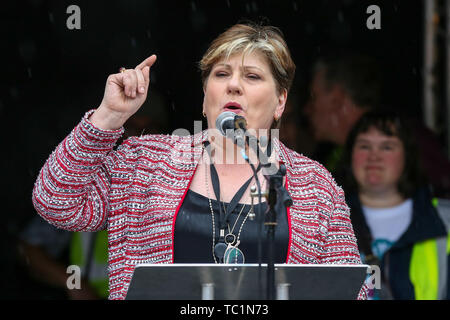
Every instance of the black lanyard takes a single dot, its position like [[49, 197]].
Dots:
[[224, 218], [220, 247]]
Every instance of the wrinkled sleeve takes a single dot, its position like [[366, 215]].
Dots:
[[72, 189]]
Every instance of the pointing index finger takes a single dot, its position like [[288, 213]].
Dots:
[[147, 62]]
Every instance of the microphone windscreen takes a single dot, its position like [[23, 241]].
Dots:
[[225, 121]]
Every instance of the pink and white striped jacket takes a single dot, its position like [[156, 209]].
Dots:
[[135, 192]]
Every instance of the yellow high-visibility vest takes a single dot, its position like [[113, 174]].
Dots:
[[98, 276], [428, 269]]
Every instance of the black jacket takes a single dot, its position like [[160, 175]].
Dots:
[[425, 224]]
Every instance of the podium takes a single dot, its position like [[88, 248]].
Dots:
[[241, 282]]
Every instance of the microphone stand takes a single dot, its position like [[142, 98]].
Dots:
[[277, 198]]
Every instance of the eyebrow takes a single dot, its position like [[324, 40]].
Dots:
[[228, 66]]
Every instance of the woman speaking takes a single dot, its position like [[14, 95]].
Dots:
[[183, 199]]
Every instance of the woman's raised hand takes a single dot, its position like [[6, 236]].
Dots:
[[125, 92]]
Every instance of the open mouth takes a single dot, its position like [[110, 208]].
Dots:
[[233, 107]]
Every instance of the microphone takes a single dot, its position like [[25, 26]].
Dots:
[[228, 120], [225, 121]]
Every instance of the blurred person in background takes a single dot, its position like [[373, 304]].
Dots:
[[395, 222], [343, 88], [47, 252]]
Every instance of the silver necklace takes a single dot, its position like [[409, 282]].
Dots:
[[234, 243]]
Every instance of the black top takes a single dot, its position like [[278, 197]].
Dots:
[[193, 231]]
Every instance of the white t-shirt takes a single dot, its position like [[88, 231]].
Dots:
[[387, 225]]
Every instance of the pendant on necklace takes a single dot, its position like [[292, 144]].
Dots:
[[219, 250], [233, 254]]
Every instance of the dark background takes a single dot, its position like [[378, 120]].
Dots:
[[54, 75]]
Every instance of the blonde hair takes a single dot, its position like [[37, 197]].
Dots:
[[246, 38]]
